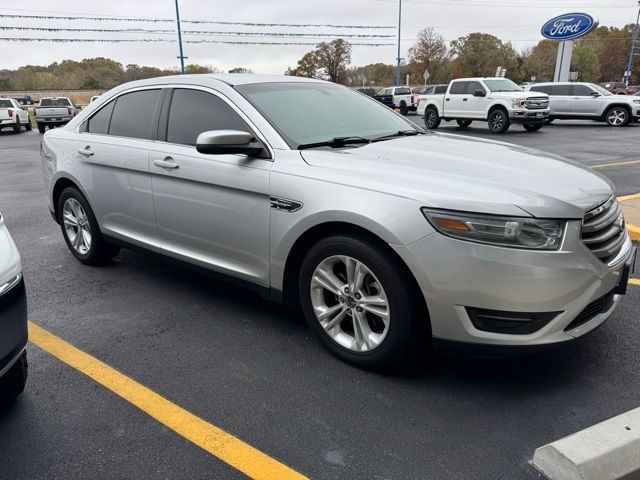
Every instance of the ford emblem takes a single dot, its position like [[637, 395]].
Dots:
[[569, 26]]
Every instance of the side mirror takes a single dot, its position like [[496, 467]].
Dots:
[[228, 142], [479, 93], [595, 94]]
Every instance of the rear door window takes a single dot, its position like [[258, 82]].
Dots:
[[561, 90], [459, 88], [581, 91], [133, 114], [473, 86]]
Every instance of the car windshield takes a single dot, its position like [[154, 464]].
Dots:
[[306, 113], [502, 85], [600, 90], [54, 102], [5, 104]]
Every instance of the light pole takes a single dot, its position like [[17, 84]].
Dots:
[[634, 40], [181, 57], [399, 31]]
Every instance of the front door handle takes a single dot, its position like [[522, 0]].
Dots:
[[167, 163], [86, 151], [465, 99]]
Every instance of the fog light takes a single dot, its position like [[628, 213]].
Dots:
[[511, 323]]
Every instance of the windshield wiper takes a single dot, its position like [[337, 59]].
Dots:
[[401, 133], [336, 142]]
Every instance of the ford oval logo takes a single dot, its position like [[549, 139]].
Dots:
[[569, 26]]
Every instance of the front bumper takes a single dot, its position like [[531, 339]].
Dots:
[[529, 116], [456, 276], [13, 325]]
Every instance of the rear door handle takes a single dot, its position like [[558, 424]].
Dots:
[[465, 99], [167, 163], [86, 151], [448, 99]]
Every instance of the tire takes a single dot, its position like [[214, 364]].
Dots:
[[28, 125], [463, 124], [404, 110], [387, 345], [499, 121], [17, 128], [13, 382], [617, 117], [41, 127], [87, 246], [533, 127], [431, 118]]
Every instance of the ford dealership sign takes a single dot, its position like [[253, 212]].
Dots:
[[569, 26]]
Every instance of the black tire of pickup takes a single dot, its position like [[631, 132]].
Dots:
[[431, 118], [404, 110], [41, 127], [499, 121], [463, 124]]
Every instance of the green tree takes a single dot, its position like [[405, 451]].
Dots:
[[307, 66], [479, 55], [333, 59], [541, 62], [586, 62]]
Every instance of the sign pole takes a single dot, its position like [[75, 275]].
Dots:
[[634, 41], [181, 57], [563, 62], [399, 29]]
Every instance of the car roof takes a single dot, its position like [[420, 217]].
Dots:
[[561, 83], [229, 78]]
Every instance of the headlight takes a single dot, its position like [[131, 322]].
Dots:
[[514, 232], [519, 103], [636, 101]]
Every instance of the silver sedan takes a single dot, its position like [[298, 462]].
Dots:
[[391, 239]]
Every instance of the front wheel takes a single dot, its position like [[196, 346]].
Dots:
[[431, 119], [13, 382], [404, 110], [617, 117], [464, 123], [361, 303], [81, 231], [499, 121], [28, 125], [532, 127]]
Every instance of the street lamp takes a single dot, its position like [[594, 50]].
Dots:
[[399, 29], [181, 57]]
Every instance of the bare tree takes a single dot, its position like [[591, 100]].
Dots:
[[333, 58], [429, 52]]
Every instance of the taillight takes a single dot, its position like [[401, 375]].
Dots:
[[70, 111], [10, 113]]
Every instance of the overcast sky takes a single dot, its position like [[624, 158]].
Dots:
[[515, 20]]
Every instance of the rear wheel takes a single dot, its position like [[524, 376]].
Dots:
[[17, 128], [431, 118], [404, 110], [41, 127], [532, 127], [361, 303], [464, 123], [13, 382], [499, 121], [81, 231], [617, 117], [28, 125]]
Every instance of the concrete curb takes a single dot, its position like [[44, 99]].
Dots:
[[607, 451]]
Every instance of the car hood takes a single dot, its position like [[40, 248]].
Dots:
[[467, 174]]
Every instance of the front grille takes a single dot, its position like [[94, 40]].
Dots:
[[537, 103], [592, 310], [604, 231]]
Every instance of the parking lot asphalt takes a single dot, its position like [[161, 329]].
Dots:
[[254, 369]]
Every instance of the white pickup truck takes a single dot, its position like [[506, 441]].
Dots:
[[54, 112], [397, 97], [12, 115], [498, 101]]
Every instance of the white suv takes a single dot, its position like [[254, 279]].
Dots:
[[588, 101]]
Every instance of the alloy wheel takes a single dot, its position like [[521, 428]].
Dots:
[[350, 303], [431, 118], [617, 117], [497, 121], [76, 226]]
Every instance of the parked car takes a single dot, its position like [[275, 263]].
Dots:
[[54, 112], [12, 115], [390, 237], [499, 101], [619, 88], [24, 100], [13, 319], [570, 100], [397, 97]]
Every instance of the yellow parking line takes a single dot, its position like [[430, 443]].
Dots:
[[634, 281], [616, 164], [628, 197], [214, 440]]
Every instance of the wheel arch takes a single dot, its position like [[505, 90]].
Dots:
[[289, 292], [58, 186], [497, 106]]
